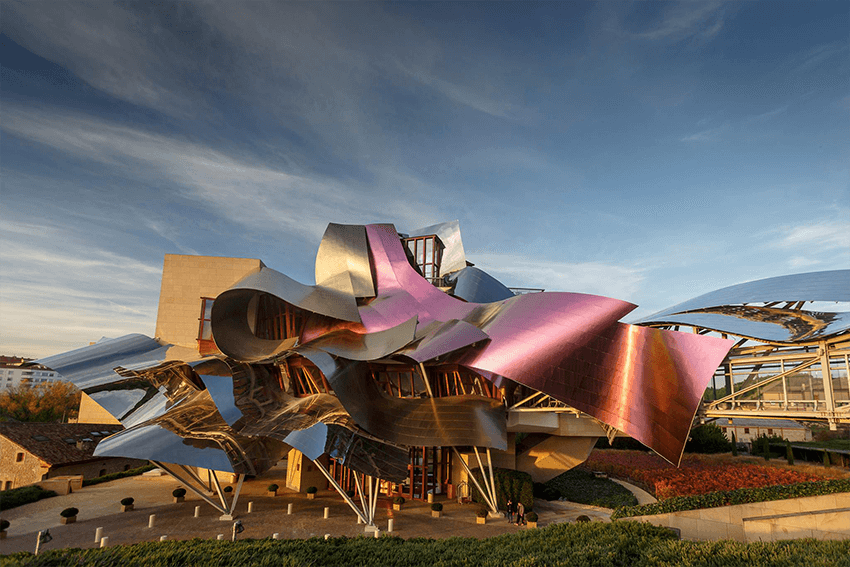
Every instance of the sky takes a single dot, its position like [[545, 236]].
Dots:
[[648, 151]]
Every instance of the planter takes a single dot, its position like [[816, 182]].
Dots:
[[3, 535], [179, 499], [272, 493], [436, 514], [311, 495], [69, 520], [532, 524], [481, 520], [397, 507], [128, 508]]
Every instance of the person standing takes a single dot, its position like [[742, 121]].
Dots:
[[520, 514], [510, 508]]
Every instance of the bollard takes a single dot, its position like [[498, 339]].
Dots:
[[327, 512], [377, 533], [197, 511], [430, 498], [151, 520], [163, 537], [220, 537], [98, 533], [104, 541], [275, 535], [390, 526], [250, 507], [327, 536], [289, 509]]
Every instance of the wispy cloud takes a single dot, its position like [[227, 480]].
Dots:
[[621, 282], [704, 135], [683, 20], [817, 56], [834, 235]]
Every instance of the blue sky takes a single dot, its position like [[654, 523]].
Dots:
[[648, 151]]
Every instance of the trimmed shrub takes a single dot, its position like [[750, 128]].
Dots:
[[789, 453], [350, 493], [437, 507], [228, 489], [531, 517], [733, 497], [272, 488], [4, 525], [178, 492], [583, 519], [116, 476], [509, 483], [399, 500], [734, 445], [69, 512], [24, 495], [127, 501], [482, 511], [708, 438], [312, 490]]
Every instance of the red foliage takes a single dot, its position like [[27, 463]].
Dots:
[[697, 475]]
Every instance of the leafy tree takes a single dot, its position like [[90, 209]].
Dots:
[[50, 402], [708, 438]]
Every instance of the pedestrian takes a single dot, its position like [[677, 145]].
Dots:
[[510, 511], [520, 514]]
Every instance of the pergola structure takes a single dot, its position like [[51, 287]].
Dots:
[[401, 352]]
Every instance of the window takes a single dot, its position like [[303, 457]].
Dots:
[[102, 472], [746, 430], [204, 327], [770, 431], [8, 485], [19, 458]]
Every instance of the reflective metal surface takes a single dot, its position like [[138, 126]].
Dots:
[[779, 314], [239, 410]]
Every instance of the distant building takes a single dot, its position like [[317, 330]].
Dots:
[[747, 429], [13, 375], [31, 452]]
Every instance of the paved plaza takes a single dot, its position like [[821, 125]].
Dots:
[[99, 507]]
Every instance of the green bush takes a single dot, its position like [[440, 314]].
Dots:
[[583, 519], [734, 445], [228, 489], [437, 507], [116, 476], [178, 492], [509, 483], [272, 488], [398, 500], [4, 525], [708, 438], [789, 453], [580, 485], [312, 490], [531, 517], [15, 497], [69, 512], [592, 544], [127, 501], [482, 511], [732, 497]]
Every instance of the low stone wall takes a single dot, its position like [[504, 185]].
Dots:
[[820, 517]]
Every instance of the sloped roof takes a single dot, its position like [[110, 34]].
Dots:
[[759, 422], [56, 443]]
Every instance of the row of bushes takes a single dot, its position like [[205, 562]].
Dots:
[[512, 484], [582, 486], [732, 497], [116, 476], [15, 497], [575, 544]]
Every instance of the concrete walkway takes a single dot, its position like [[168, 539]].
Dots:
[[99, 507], [643, 497]]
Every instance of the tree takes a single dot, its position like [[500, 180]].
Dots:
[[734, 445], [707, 439], [50, 402]]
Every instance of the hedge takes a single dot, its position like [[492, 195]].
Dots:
[[15, 497], [732, 497], [516, 484], [117, 475], [584, 544]]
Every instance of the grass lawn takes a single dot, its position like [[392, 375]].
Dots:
[[580, 485]]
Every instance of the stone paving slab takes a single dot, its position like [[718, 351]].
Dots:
[[99, 506]]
